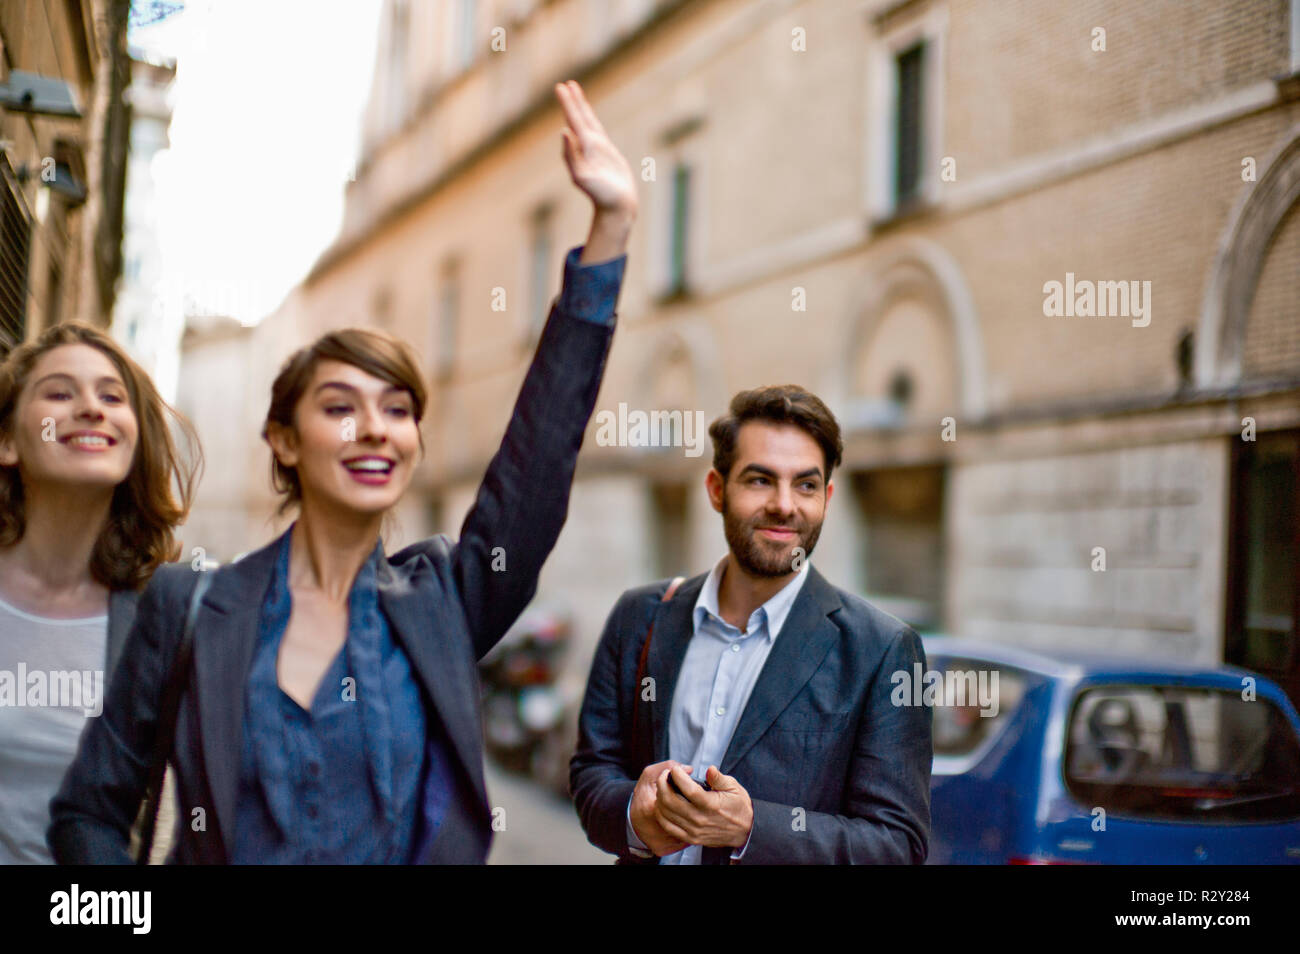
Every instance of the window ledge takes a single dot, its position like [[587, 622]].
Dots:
[[1288, 86], [674, 296], [913, 209]]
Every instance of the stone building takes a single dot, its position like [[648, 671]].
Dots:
[[1039, 258], [63, 144]]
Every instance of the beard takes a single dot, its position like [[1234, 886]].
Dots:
[[758, 556]]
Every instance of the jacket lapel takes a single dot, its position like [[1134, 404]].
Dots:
[[224, 639], [673, 629], [802, 644], [121, 614], [448, 676]]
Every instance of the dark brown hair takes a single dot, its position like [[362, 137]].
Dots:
[[777, 404], [139, 534], [376, 352]]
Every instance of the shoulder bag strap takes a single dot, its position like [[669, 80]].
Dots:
[[645, 656]]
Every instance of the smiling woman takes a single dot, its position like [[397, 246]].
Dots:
[[92, 488], [344, 428], [331, 714], [345, 414]]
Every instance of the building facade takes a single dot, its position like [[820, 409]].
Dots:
[[63, 144], [1040, 260]]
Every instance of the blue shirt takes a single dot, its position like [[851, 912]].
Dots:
[[355, 778], [340, 783], [717, 676], [590, 292]]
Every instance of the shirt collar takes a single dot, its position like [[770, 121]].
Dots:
[[775, 610]]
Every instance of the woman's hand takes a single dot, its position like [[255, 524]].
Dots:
[[599, 170], [595, 164]]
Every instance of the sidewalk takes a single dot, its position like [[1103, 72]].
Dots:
[[540, 828]]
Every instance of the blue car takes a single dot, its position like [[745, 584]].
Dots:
[[1071, 757]]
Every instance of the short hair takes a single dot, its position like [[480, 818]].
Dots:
[[777, 404], [376, 352], [139, 534]]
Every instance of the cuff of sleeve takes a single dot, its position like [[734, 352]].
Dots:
[[635, 844], [739, 853], [590, 292]]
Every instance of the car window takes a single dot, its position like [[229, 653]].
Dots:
[[973, 703], [1172, 752]]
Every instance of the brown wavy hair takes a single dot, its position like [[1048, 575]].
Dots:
[[777, 404], [139, 534], [376, 352]]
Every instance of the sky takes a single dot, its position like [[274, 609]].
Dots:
[[266, 124]]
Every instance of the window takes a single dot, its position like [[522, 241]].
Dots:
[[1179, 753], [901, 561], [1263, 605], [680, 228], [677, 210], [905, 103], [908, 128], [15, 239], [398, 41], [445, 320], [669, 527], [54, 296], [539, 269]]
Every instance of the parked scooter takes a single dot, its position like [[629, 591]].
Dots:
[[525, 713]]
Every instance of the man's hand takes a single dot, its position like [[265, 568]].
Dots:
[[644, 820], [600, 171], [720, 818]]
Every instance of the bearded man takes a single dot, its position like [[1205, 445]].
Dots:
[[745, 715]]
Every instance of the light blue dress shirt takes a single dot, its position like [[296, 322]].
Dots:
[[717, 676]]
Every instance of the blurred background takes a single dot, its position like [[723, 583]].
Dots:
[[869, 198]]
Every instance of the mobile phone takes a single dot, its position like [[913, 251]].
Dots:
[[672, 783]]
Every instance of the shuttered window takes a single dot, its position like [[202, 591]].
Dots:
[[15, 240]]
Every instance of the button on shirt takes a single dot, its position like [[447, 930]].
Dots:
[[341, 782], [717, 676]]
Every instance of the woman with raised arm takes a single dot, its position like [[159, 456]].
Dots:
[[331, 714], [92, 489]]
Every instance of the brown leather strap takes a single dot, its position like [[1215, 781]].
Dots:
[[645, 656]]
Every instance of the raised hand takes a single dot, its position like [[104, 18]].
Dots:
[[595, 164]]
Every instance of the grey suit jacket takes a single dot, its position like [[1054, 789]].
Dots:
[[445, 601], [836, 772]]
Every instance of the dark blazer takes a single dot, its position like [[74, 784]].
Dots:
[[818, 734], [121, 614], [445, 603]]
